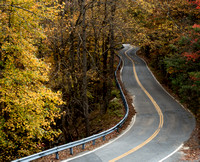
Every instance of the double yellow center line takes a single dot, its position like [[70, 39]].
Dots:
[[156, 107]]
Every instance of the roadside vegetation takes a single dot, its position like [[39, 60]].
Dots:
[[57, 61], [169, 36]]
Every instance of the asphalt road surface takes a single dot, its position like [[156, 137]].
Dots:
[[160, 126]]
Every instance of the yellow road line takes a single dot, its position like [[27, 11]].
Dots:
[[157, 109]]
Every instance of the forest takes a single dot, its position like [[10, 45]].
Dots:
[[57, 62]]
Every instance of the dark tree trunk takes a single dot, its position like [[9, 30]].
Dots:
[[85, 98], [105, 77], [111, 40]]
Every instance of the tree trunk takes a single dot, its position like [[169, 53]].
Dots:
[[105, 77], [85, 98], [111, 40]]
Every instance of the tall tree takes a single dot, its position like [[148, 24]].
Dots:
[[85, 98]]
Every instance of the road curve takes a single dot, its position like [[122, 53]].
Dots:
[[161, 123]]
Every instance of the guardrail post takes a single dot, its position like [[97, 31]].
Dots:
[[93, 142], [57, 155], [117, 129], [104, 138], [83, 146], [71, 151]]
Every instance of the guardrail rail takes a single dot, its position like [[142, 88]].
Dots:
[[83, 141]]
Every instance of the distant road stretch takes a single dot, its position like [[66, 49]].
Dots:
[[161, 124]]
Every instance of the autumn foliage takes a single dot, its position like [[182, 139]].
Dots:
[[195, 2], [57, 63], [169, 37], [56, 71], [28, 107]]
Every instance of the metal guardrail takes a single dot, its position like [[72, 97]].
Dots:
[[83, 141]]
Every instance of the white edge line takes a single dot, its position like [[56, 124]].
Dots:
[[171, 97], [163, 87], [112, 140], [172, 153]]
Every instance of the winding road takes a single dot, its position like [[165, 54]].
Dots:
[[159, 128]]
